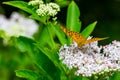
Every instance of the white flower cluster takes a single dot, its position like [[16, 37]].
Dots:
[[35, 2], [91, 59], [49, 9], [18, 25]]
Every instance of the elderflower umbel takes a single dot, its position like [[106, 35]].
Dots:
[[91, 59], [48, 9], [18, 25]]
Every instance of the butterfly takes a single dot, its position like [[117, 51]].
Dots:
[[79, 38]]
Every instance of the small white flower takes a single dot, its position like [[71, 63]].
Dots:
[[54, 6], [35, 2]]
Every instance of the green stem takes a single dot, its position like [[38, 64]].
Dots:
[[49, 29]]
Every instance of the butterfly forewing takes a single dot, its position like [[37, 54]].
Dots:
[[78, 38]]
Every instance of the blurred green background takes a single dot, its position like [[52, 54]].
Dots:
[[105, 12]]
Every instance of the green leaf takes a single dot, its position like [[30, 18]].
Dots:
[[40, 58], [46, 66], [53, 56], [27, 8], [59, 33], [24, 43], [63, 3], [46, 37], [80, 77], [22, 5], [28, 74], [73, 14], [88, 30], [73, 22], [36, 17], [84, 78], [115, 76], [51, 35]]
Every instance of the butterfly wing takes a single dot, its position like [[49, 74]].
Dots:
[[78, 38], [93, 39]]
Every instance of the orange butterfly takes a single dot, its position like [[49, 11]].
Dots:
[[78, 38]]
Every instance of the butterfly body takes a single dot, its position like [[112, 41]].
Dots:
[[78, 38]]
